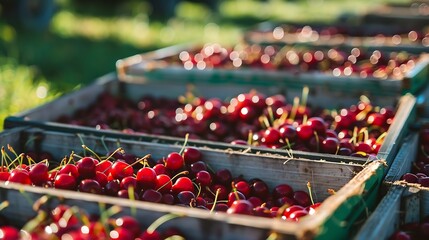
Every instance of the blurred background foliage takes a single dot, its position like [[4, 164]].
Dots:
[[80, 40]]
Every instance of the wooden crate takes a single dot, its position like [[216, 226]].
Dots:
[[153, 66], [356, 186], [370, 36], [401, 205], [45, 116]]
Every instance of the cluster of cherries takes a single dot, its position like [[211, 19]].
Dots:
[[410, 231], [249, 118], [297, 60], [178, 179], [420, 169], [340, 34], [66, 222]]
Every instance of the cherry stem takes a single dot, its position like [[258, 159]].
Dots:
[[234, 190], [305, 92], [215, 200], [317, 141], [282, 118], [365, 133], [171, 179], [198, 187], [5, 155], [4, 205], [270, 114], [119, 149], [82, 142], [294, 108], [250, 138], [158, 222], [309, 192], [381, 137], [138, 161], [132, 198], [15, 160], [90, 150], [34, 223], [10, 148], [184, 144], [265, 123]]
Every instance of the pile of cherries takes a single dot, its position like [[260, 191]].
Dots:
[[420, 169], [410, 231], [340, 34], [250, 118], [334, 62], [178, 179], [65, 222]]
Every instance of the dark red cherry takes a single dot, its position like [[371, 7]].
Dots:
[[191, 155], [90, 186]]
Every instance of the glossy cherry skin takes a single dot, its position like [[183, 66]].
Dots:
[[191, 155], [241, 207], [86, 167], [174, 161], [65, 181], [182, 184], [90, 186], [39, 173]]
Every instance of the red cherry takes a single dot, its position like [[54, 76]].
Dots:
[[318, 125], [104, 167], [363, 147], [39, 173], [376, 119], [128, 182], [232, 196], [241, 207], [288, 132], [129, 223], [295, 216], [19, 176], [101, 178], [271, 136], [183, 184], [330, 145], [401, 235], [260, 189], [191, 155], [9, 233], [151, 195], [86, 167], [243, 187], [282, 190], [69, 169], [90, 186], [174, 161], [204, 178], [223, 176], [121, 169], [146, 178], [288, 211], [160, 169], [163, 183], [302, 198], [65, 181], [121, 233], [304, 132]]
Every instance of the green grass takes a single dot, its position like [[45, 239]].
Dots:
[[85, 39]]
